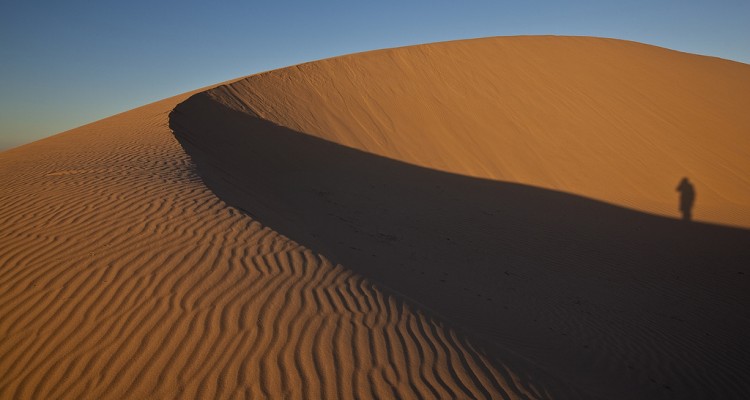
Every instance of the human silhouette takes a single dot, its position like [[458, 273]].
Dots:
[[687, 198]]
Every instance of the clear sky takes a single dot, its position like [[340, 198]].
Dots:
[[67, 63]]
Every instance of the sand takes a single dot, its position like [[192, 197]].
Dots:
[[492, 218]]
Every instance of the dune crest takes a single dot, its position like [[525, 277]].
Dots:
[[616, 121]]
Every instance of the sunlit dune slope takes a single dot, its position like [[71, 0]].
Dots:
[[612, 120]]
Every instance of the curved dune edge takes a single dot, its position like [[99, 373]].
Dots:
[[123, 276], [358, 158], [611, 120]]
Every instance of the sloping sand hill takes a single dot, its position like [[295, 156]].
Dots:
[[123, 276], [492, 218]]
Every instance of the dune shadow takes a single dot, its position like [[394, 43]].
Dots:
[[562, 279]]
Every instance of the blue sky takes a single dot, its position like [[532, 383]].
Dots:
[[67, 63]]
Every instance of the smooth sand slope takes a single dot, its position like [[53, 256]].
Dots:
[[429, 257], [611, 120]]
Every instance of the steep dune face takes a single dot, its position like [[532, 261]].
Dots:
[[611, 120], [429, 169]]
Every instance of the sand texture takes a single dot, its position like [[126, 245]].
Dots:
[[492, 218]]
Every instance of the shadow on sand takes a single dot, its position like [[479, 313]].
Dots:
[[605, 297]]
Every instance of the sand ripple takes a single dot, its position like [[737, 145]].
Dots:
[[123, 276]]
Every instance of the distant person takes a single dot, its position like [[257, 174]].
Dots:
[[687, 198]]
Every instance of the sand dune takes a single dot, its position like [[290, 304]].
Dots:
[[492, 218], [123, 276]]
